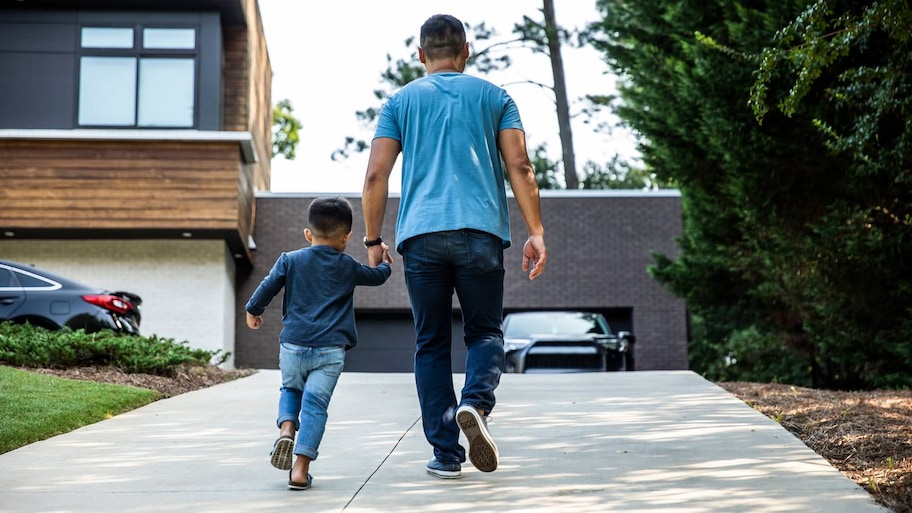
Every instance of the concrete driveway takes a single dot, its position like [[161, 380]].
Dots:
[[582, 443]]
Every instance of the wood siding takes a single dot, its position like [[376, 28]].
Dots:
[[236, 80], [260, 120], [127, 185], [247, 101]]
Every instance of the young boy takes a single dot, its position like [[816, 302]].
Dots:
[[318, 318]]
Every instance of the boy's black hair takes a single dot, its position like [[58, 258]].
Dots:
[[330, 217], [442, 35]]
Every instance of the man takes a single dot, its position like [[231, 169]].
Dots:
[[452, 227]]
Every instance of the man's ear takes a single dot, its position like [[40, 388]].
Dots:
[[421, 56], [308, 235], [346, 237], [465, 51]]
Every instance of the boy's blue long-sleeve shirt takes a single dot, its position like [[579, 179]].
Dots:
[[318, 305]]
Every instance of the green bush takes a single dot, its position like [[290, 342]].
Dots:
[[23, 345], [765, 358], [746, 355]]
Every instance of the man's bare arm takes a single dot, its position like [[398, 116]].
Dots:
[[383, 155], [512, 145]]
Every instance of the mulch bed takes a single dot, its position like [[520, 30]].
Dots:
[[865, 435], [186, 379]]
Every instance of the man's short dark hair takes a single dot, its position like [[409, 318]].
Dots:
[[329, 217], [442, 35]]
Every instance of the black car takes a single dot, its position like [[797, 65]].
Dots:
[[44, 299], [564, 341]]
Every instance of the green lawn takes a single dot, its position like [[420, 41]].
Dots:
[[34, 407]]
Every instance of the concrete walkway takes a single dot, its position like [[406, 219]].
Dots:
[[582, 443]]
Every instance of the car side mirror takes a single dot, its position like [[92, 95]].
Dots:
[[626, 335]]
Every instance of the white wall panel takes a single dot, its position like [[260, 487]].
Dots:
[[187, 286]]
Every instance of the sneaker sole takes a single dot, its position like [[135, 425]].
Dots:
[[282, 454], [444, 474], [482, 451]]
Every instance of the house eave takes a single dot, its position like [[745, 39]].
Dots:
[[243, 139], [231, 11]]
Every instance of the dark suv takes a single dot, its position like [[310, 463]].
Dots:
[[564, 341], [44, 299]]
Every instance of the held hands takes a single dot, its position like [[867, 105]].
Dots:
[[254, 321], [535, 255], [375, 257]]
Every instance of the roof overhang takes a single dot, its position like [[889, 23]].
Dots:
[[232, 11], [243, 139]]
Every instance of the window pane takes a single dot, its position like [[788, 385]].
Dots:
[[107, 91], [32, 281], [166, 92], [182, 39], [6, 279], [107, 37]]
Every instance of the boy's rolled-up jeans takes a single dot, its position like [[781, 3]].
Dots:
[[309, 376]]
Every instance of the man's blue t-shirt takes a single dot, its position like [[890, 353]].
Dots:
[[318, 306], [452, 176]]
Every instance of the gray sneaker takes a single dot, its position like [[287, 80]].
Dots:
[[482, 450], [444, 470]]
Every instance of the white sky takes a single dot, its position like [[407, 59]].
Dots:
[[327, 60]]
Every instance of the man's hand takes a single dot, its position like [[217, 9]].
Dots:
[[535, 255], [254, 321], [378, 254]]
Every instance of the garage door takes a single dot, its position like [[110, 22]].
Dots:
[[386, 343]]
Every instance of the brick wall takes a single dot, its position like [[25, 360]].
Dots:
[[599, 246]]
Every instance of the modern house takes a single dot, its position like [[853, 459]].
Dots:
[[134, 155], [133, 136]]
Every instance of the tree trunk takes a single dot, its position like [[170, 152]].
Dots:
[[560, 96]]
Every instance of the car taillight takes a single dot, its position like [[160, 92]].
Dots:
[[110, 302]]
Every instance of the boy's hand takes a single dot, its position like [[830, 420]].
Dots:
[[379, 254], [254, 321]]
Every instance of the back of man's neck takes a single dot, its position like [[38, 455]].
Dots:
[[443, 67]]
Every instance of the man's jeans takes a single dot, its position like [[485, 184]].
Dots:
[[309, 376], [471, 263]]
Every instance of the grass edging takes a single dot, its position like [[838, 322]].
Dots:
[[37, 407]]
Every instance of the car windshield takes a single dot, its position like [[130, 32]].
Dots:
[[554, 323]]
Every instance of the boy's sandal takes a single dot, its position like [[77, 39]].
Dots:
[[294, 485], [282, 453]]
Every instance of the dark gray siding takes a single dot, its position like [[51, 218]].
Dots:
[[39, 64], [599, 245], [38, 77]]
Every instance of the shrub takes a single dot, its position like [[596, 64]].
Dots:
[[29, 346]]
